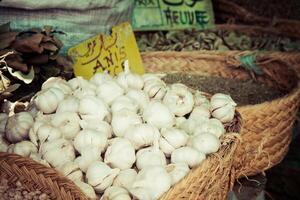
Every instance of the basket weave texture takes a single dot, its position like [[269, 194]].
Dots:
[[213, 179], [266, 131]]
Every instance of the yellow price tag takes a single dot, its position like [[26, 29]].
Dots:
[[107, 53]]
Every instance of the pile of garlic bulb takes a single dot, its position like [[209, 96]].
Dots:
[[126, 137]]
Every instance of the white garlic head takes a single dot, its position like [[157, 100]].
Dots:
[[109, 91], [100, 176], [89, 154], [200, 112], [87, 189], [125, 178], [150, 156], [3, 144], [115, 193], [57, 82], [93, 123], [139, 97], [201, 100], [179, 99], [69, 104], [171, 139], [142, 135], [206, 143], [177, 171], [120, 154], [24, 148], [48, 100], [17, 127], [92, 106], [222, 107], [67, 123], [212, 126], [72, 171], [3, 121], [154, 86], [123, 102], [187, 155]]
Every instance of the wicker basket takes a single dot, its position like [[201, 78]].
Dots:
[[266, 132], [228, 11], [213, 179]]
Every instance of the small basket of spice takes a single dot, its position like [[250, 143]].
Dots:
[[267, 127], [126, 137]]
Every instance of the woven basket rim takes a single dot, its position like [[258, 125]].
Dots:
[[205, 54]]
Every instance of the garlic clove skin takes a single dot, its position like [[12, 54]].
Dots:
[[24, 148], [187, 155], [140, 193], [213, 126], [139, 97], [177, 171], [179, 121], [150, 156], [17, 127], [100, 175], [69, 104], [100, 78], [61, 147], [200, 112], [3, 144], [72, 171], [122, 120], [87, 189], [67, 123], [93, 123], [201, 100], [80, 82], [90, 138], [158, 115], [120, 154], [156, 89], [222, 107], [3, 121], [48, 132], [179, 99], [130, 80], [171, 139], [57, 82], [125, 178], [88, 155], [205, 143], [116, 193], [90, 105], [109, 91], [47, 100], [142, 135], [153, 180], [84, 92], [189, 126], [123, 102]]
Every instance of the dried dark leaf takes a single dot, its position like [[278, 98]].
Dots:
[[30, 44], [7, 38], [49, 46], [4, 28], [65, 63], [38, 59], [16, 62], [47, 38], [57, 42]]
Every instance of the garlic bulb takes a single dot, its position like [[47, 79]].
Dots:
[[179, 99], [123, 102], [17, 127], [46, 132], [130, 80], [155, 89], [150, 156], [67, 123], [152, 180], [109, 91], [222, 107], [93, 123], [24, 148], [100, 176], [100, 78], [187, 155], [122, 120], [84, 92], [71, 170], [159, 115], [201, 100], [88, 155], [142, 135], [47, 100], [57, 82], [139, 97], [212, 126], [90, 138], [189, 126], [120, 154], [3, 144], [3, 120], [171, 139], [57, 152], [116, 193], [80, 83], [205, 143], [90, 105], [200, 112], [125, 178], [177, 171], [179, 121], [69, 104], [40, 116], [37, 157], [86, 189]]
